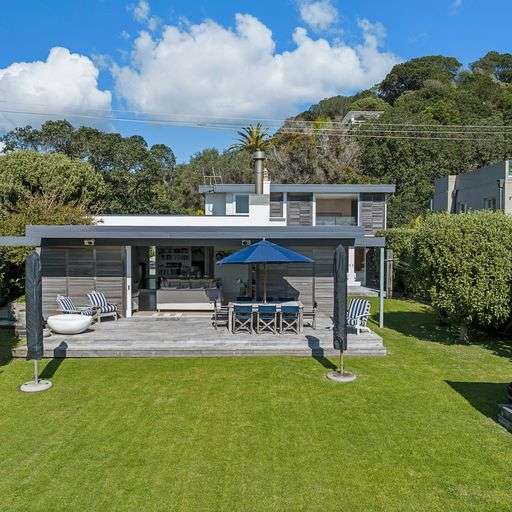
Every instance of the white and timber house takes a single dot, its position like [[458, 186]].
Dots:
[[114, 254]]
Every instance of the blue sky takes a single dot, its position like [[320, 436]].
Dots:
[[163, 57]]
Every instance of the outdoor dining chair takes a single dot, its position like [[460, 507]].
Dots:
[[266, 318], [105, 308], [220, 314], [242, 319], [290, 319]]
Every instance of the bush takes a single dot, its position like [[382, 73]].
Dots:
[[460, 264], [463, 264]]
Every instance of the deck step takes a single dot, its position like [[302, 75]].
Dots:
[[197, 351]]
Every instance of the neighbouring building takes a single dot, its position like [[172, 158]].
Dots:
[[116, 253], [488, 188]]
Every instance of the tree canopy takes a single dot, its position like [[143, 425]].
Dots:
[[497, 65], [138, 178], [431, 91], [24, 174], [412, 75]]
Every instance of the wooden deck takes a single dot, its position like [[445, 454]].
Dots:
[[182, 334]]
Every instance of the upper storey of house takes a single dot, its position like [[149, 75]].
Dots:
[[363, 205]]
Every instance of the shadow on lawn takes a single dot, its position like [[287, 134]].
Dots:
[[59, 354], [51, 367], [8, 341], [424, 325], [318, 353], [483, 396]]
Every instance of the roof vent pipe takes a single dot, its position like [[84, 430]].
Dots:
[[259, 158]]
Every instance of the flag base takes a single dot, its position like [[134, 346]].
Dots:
[[35, 387], [341, 377]]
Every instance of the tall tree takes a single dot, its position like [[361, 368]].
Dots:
[[252, 138], [139, 178], [496, 65], [24, 174], [412, 75]]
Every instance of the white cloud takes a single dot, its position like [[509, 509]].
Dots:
[[456, 4], [208, 69], [319, 14], [141, 11], [142, 14], [65, 83]]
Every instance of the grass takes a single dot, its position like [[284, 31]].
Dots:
[[415, 432]]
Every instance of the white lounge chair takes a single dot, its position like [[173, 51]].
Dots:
[[100, 302], [67, 306], [358, 314]]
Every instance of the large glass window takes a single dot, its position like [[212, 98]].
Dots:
[[241, 204], [336, 211]]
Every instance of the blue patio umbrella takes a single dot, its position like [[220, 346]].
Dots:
[[264, 252]]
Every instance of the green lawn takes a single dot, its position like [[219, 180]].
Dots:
[[414, 432]]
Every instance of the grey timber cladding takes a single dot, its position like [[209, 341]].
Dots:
[[300, 210], [372, 209], [75, 271], [307, 282]]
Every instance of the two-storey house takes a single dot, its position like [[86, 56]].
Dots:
[[116, 252]]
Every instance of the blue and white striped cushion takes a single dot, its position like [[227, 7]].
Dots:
[[88, 312], [66, 304], [98, 299], [357, 308]]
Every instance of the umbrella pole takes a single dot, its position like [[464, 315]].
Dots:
[[264, 282], [36, 371], [341, 366]]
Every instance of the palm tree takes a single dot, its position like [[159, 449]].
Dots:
[[252, 138]]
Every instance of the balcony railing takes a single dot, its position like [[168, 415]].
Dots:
[[335, 220]]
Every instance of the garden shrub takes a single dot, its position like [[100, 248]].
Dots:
[[463, 265]]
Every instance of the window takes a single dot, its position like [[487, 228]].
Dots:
[[241, 204], [276, 204]]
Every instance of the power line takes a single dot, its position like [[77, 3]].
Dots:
[[228, 121], [367, 130]]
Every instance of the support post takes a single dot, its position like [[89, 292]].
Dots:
[[389, 273], [128, 259], [381, 288]]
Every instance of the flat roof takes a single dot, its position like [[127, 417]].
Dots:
[[180, 232], [308, 187], [128, 235]]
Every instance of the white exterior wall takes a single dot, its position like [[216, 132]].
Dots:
[[259, 215]]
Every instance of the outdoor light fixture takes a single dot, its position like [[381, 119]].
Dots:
[[89, 242]]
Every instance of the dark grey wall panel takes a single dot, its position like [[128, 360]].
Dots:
[[373, 212], [75, 271]]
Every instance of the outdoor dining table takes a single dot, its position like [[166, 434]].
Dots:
[[255, 305]]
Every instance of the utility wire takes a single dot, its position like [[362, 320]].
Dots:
[[366, 130]]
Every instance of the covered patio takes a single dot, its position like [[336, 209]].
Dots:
[[151, 334]]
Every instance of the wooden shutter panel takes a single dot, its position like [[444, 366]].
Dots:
[[300, 210], [373, 212]]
